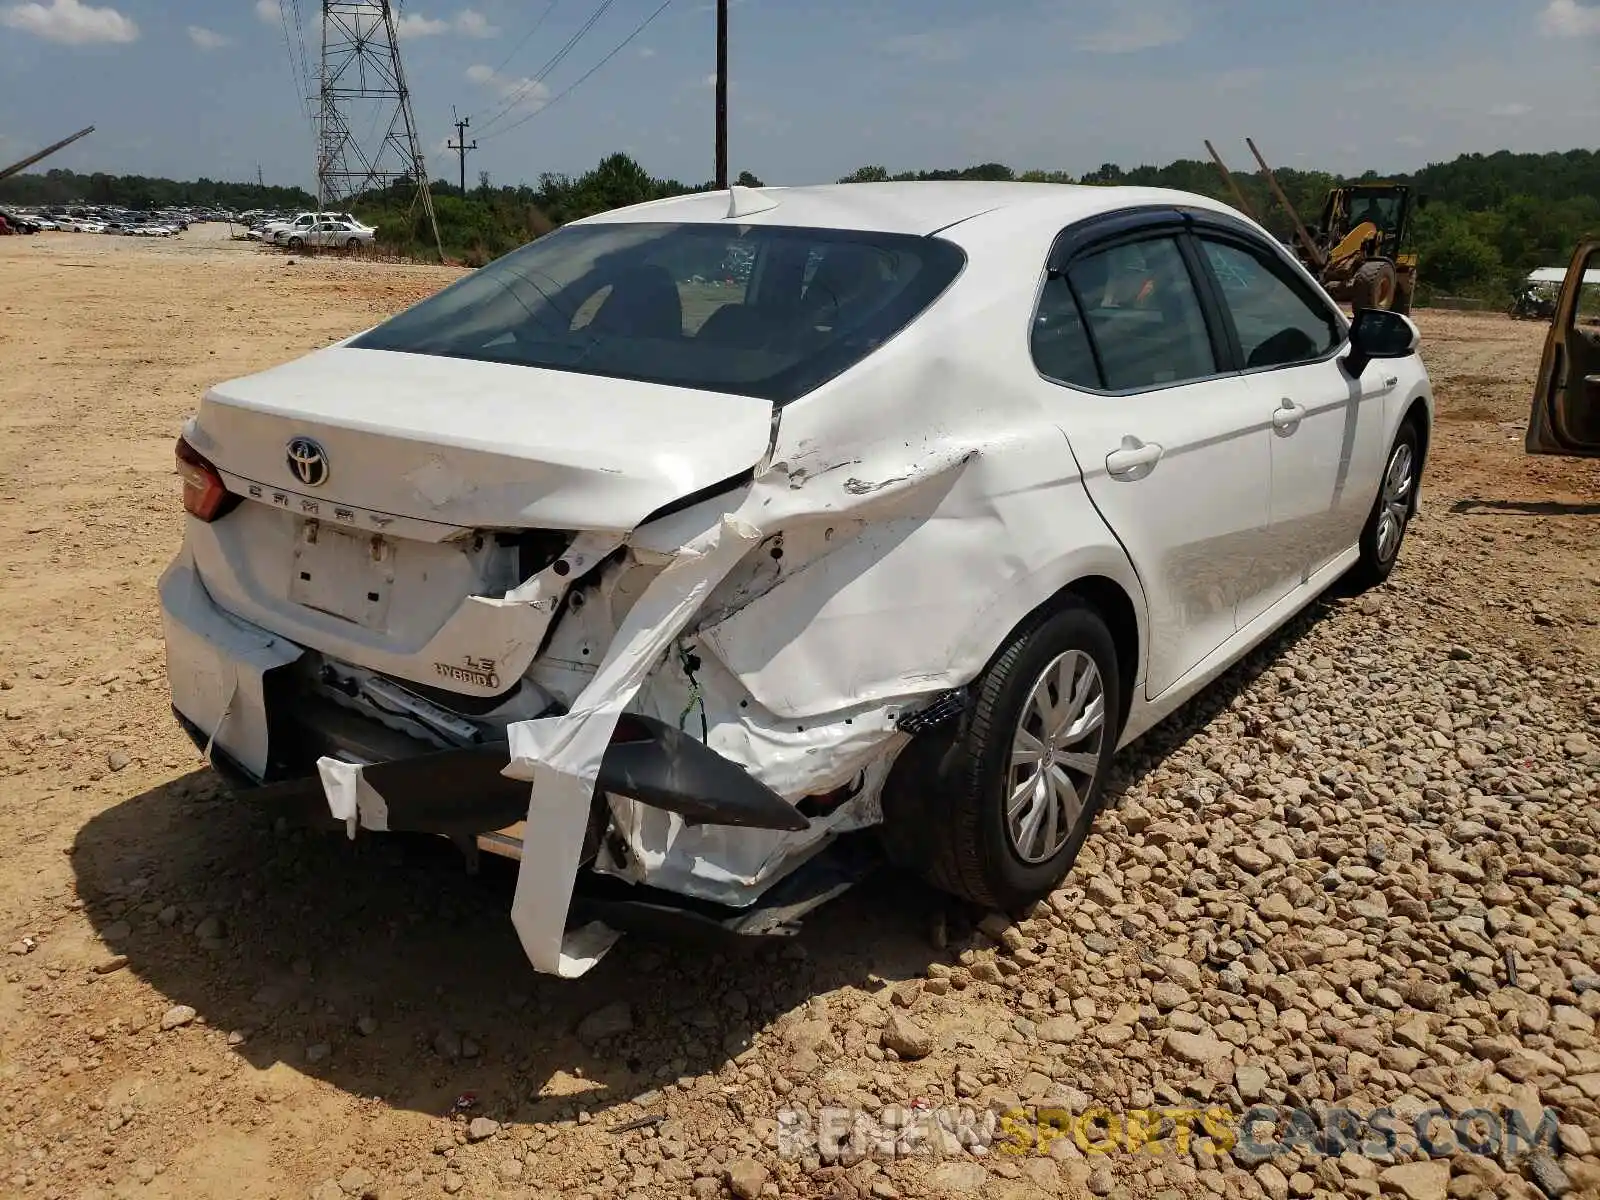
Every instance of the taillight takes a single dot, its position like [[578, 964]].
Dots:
[[204, 494]]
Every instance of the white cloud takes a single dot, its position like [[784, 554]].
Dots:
[[1510, 110], [524, 94], [468, 23], [208, 39], [647, 52], [268, 11], [1408, 139], [1568, 18], [929, 46], [70, 21], [1140, 25], [417, 25]]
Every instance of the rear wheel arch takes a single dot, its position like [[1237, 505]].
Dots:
[[938, 814], [1417, 416], [1116, 608]]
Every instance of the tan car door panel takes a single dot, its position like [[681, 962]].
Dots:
[[1566, 402]]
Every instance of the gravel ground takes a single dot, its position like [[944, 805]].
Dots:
[[1361, 872]]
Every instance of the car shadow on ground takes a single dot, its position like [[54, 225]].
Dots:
[[380, 966], [1523, 508]]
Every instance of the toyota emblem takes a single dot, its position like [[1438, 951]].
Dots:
[[308, 462]]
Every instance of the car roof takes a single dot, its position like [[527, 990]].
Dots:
[[918, 208]]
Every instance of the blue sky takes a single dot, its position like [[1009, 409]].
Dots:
[[204, 87]]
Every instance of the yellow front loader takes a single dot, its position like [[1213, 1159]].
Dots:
[[1360, 247]]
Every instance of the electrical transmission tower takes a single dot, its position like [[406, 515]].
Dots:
[[363, 87]]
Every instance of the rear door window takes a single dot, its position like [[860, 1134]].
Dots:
[[1060, 341], [1143, 315]]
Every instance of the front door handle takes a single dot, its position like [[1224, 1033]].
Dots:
[[1133, 459], [1287, 415]]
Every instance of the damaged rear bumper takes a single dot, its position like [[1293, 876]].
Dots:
[[463, 792], [234, 694]]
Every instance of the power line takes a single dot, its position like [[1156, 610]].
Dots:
[[526, 38], [575, 84], [305, 59], [301, 91], [519, 94]]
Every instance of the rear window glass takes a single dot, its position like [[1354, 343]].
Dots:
[[763, 311]]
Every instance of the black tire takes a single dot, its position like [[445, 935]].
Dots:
[[1374, 285], [963, 841], [1379, 554], [296, 243], [353, 244]]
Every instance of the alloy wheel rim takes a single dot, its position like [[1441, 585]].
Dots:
[[1398, 480], [1055, 756]]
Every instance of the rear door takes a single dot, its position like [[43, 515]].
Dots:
[[1327, 436], [1566, 398], [1174, 451]]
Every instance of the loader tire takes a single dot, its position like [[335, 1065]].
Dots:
[[1405, 292], [1374, 285]]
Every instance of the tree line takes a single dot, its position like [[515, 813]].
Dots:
[[1490, 217], [143, 193]]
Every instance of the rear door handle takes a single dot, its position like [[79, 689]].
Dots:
[[1133, 458], [1287, 415]]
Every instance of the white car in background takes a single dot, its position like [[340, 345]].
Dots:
[[326, 234], [665, 590], [281, 231]]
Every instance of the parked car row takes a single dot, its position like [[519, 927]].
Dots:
[[166, 223], [323, 229]]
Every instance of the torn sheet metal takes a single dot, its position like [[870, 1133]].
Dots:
[[560, 756], [937, 550]]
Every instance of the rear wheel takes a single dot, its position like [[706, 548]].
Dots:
[[1013, 798], [296, 243], [1373, 285], [1391, 511], [352, 244]]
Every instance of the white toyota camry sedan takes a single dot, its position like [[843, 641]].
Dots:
[[663, 578]]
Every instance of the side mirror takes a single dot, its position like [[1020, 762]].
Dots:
[[1377, 333]]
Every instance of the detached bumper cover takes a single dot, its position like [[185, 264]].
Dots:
[[462, 792]]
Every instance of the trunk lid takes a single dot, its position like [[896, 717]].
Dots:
[[477, 444]]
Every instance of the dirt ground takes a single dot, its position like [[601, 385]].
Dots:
[[332, 1001]]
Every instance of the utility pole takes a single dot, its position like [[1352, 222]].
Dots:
[[460, 145], [722, 94]]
